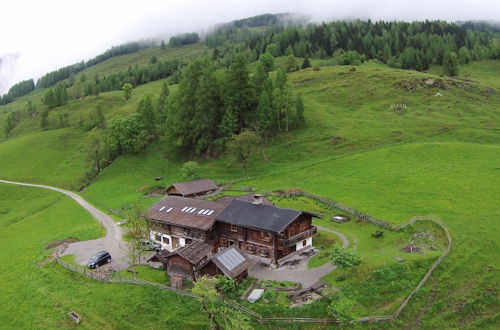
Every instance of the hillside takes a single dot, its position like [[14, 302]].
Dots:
[[393, 143]]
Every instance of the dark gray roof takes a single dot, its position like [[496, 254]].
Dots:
[[245, 198], [263, 217]]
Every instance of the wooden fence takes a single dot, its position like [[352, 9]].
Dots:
[[258, 317]]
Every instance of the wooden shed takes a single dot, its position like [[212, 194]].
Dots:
[[192, 188]]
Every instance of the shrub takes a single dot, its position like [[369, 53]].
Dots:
[[344, 257]]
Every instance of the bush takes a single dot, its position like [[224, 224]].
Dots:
[[344, 257]]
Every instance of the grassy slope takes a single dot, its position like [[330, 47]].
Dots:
[[114, 64], [52, 157], [42, 297], [442, 161]]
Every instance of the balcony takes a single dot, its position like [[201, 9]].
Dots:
[[287, 242]]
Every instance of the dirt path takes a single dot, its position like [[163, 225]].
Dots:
[[345, 241], [84, 250]]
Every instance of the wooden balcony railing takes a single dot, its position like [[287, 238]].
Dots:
[[287, 242]]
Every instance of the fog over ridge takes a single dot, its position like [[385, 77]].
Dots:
[[57, 33]]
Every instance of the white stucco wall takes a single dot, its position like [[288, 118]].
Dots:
[[300, 245]]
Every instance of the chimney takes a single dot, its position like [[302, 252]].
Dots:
[[257, 199]]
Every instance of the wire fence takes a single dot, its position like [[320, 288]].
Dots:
[[108, 277]]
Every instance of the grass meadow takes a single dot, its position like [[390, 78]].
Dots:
[[441, 156]]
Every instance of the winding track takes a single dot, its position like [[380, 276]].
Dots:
[[345, 241], [84, 250]]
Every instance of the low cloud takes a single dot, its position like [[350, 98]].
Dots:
[[8, 63], [58, 33]]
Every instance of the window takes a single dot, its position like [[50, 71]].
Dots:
[[265, 235], [166, 240], [304, 243], [234, 228], [158, 237]]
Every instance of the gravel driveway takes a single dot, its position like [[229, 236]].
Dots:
[[112, 242]]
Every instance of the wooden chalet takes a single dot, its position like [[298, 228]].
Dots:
[[197, 259], [192, 188], [266, 231], [178, 221]]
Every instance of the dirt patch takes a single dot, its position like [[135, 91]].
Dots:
[[54, 244], [338, 140], [415, 83], [56, 253], [156, 191]]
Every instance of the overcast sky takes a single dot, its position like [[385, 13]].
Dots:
[[39, 36]]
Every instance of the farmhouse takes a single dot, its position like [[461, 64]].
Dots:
[[255, 227], [197, 259], [192, 188]]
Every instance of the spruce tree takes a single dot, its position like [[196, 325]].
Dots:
[[450, 64], [305, 63]]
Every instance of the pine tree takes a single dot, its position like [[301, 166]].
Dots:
[[161, 108], [291, 64], [305, 63], [263, 120], [145, 109], [162, 45], [238, 92], [450, 64], [44, 122], [49, 98]]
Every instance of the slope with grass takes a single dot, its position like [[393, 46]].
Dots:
[[440, 157], [37, 296]]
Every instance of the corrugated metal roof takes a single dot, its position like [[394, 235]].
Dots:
[[230, 258], [232, 261]]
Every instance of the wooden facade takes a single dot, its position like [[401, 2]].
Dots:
[[266, 244]]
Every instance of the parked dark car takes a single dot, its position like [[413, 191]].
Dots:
[[151, 245], [99, 259]]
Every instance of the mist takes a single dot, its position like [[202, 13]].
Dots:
[[38, 37]]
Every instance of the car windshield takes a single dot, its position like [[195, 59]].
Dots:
[[94, 258]]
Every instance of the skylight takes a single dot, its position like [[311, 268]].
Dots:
[[162, 208]]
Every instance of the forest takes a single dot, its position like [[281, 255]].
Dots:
[[415, 45]]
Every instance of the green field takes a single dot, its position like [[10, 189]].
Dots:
[[441, 156], [40, 297]]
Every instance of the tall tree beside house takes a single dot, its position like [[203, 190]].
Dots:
[[221, 315], [241, 147], [136, 230]]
